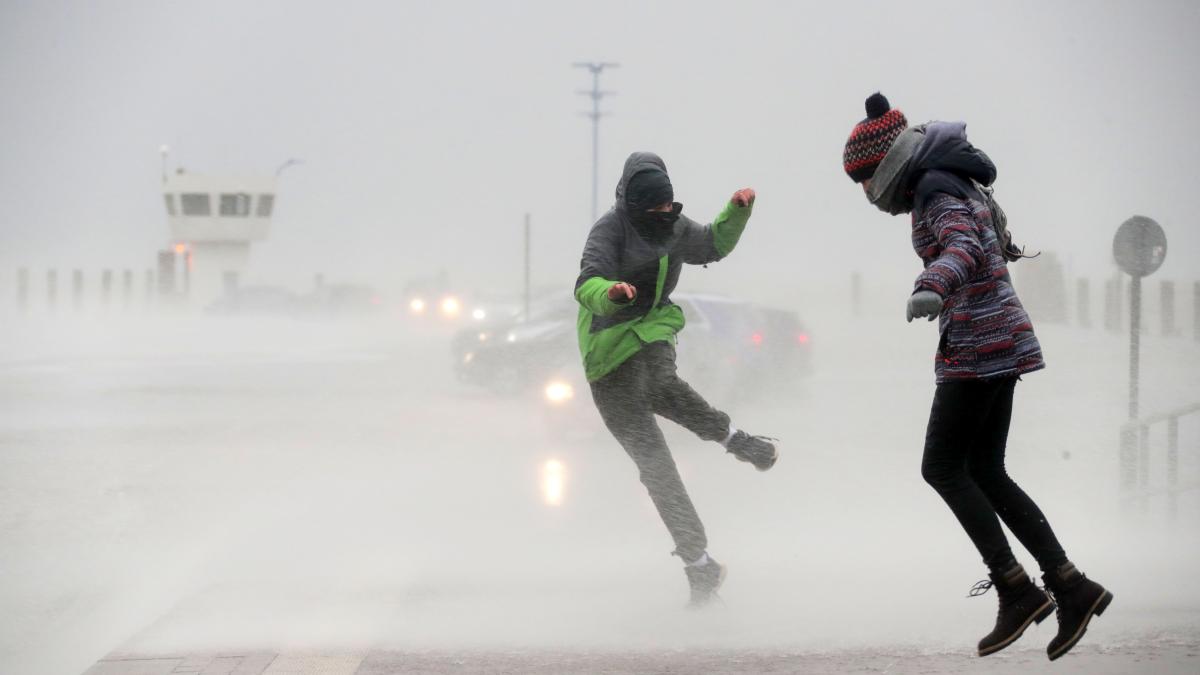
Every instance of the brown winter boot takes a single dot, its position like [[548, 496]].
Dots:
[[1078, 598], [1021, 603]]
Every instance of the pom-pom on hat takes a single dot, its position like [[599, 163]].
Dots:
[[871, 138]]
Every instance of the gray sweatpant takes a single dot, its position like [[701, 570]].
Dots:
[[628, 399]]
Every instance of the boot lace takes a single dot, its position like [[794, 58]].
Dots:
[[980, 588], [1053, 598]]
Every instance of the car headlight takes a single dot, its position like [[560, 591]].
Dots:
[[451, 306], [554, 482], [479, 315], [417, 306], [559, 392]]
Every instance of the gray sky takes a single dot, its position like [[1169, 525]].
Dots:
[[428, 129]]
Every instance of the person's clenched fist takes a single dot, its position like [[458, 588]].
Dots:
[[743, 197], [622, 292]]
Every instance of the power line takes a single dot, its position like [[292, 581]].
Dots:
[[595, 94]]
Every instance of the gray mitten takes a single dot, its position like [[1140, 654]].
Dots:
[[924, 303]]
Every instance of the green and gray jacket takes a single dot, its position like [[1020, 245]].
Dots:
[[609, 332]]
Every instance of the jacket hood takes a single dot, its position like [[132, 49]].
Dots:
[[946, 161], [946, 148], [638, 161]]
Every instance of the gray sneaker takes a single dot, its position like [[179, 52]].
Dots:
[[704, 581], [758, 450]]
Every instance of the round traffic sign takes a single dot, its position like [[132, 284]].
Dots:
[[1140, 246]]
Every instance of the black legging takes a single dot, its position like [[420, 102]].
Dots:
[[964, 462]]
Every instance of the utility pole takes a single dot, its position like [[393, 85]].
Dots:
[[595, 94], [528, 265]]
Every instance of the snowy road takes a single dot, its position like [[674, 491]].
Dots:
[[1156, 656], [182, 491]]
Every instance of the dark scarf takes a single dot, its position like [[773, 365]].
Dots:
[[656, 227]]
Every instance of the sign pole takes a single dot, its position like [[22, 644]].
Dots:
[[1135, 344], [1139, 247]]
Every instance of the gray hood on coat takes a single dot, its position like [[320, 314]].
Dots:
[[636, 162]]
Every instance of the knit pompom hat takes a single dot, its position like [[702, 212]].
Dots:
[[871, 138]]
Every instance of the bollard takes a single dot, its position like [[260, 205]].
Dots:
[[23, 289], [149, 299], [1083, 304], [166, 274], [1196, 311], [51, 289], [1166, 296], [1112, 319], [127, 289], [106, 279], [1173, 467], [77, 290]]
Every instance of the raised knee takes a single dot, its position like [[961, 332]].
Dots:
[[940, 475]]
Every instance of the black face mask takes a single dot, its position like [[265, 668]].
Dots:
[[657, 219]]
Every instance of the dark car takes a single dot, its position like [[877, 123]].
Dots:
[[728, 344]]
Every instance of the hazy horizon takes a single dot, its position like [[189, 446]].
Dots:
[[428, 131]]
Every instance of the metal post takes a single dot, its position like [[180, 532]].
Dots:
[[1167, 297], [1135, 337], [1196, 311], [106, 279], [1111, 320], [127, 289], [23, 289], [1173, 467], [1120, 299], [528, 265], [1128, 458], [166, 274], [51, 289], [1083, 303], [77, 290]]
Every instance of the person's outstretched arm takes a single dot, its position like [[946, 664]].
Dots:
[[702, 244]]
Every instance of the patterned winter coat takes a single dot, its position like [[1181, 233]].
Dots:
[[985, 332]]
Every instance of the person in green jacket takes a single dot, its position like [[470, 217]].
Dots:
[[627, 328]]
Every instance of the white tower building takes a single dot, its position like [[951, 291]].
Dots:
[[213, 220]]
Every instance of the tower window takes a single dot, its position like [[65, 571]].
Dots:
[[235, 204], [265, 204], [195, 204]]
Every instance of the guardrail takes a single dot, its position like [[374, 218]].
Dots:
[[1135, 460]]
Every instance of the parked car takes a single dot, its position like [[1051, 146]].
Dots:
[[729, 346]]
